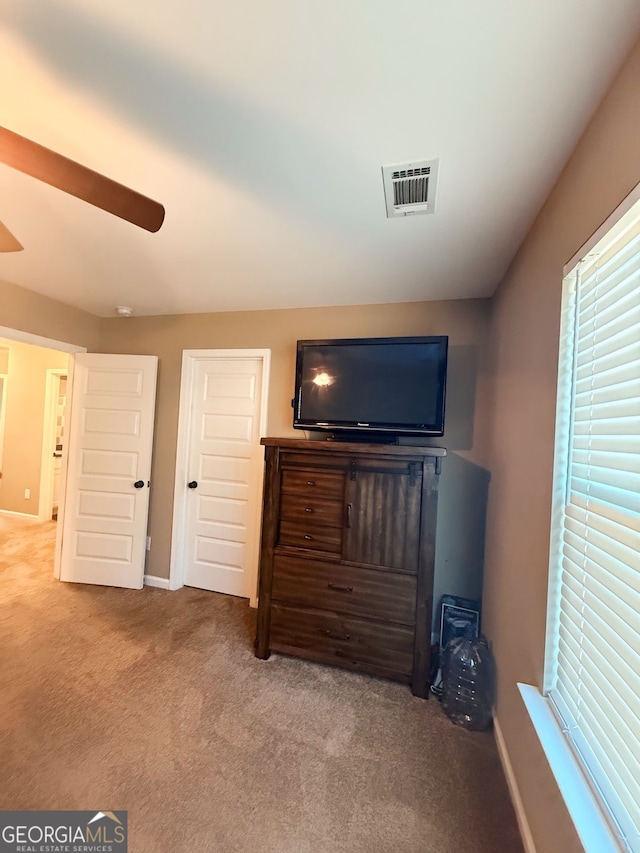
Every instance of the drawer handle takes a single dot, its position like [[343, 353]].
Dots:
[[311, 482], [308, 537], [348, 508], [308, 509], [340, 588], [333, 636]]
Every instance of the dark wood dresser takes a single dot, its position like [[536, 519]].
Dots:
[[347, 555]]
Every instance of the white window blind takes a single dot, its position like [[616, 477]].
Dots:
[[593, 649]]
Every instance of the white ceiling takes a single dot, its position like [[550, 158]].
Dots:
[[262, 127]]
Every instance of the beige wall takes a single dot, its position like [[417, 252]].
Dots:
[[463, 484], [602, 171], [27, 311], [24, 420]]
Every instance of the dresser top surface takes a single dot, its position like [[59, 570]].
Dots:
[[353, 447]]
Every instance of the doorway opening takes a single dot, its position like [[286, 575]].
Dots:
[[20, 502], [31, 425]]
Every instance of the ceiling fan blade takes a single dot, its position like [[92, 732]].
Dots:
[[46, 165], [8, 242]]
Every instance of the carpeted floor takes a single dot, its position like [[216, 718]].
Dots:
[[152, 701]]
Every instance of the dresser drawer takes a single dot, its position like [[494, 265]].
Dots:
[[312, 508], [313, 482], [338, 639], [311, 536], [346, 589]]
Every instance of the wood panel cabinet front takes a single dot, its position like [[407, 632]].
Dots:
[[346, 565], [306, 534], [340, 639], [383, 519], [309, 508], [311, 482], [347, 589]]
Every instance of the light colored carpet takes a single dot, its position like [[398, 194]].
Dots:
[[153, 702]]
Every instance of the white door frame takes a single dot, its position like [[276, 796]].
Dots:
[[51, 394], [38, 340], [189, 359], [3, 408], [62, 346]]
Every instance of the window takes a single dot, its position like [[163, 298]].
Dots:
[[592, 673]]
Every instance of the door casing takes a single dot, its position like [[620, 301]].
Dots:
[[45, 504], [3, 406]]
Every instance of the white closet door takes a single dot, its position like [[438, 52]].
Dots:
[[109, 469]]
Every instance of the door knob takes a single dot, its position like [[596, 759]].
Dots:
[[138, 484], [193, 484]]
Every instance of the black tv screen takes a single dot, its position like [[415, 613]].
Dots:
[[386, 385]]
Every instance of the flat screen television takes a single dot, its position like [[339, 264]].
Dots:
[[367, 386]]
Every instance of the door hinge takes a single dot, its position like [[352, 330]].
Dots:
[[353, 465], [412, 473]]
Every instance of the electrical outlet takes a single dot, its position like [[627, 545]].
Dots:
[[27, 494], [148, 543]]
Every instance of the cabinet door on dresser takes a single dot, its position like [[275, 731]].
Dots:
[[383, 505]]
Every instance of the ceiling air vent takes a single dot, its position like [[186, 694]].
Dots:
[[410, 188]]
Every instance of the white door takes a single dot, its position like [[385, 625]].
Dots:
[[222, 481], [109, 467]]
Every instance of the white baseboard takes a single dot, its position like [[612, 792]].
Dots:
[[35, 517], [154, 580], [523, 823]]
